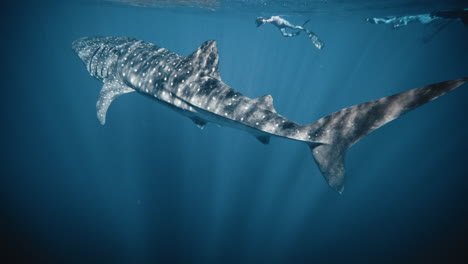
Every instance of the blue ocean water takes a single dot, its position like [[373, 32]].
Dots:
[[151, 187]]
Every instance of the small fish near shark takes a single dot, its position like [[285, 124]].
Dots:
[[192, 86]]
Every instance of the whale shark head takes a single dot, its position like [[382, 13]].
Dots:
[[87, 47], [99, 53]]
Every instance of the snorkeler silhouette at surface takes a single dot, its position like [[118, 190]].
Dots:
[[282, 24], [399, 21]]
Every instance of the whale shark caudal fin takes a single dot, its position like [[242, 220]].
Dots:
[[337, 132], [110, 91]]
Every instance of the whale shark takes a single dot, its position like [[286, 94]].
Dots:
[[192, 86]]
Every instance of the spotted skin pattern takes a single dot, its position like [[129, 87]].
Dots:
[[192, 86]]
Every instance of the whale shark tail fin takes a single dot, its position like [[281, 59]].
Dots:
[[334, 134]]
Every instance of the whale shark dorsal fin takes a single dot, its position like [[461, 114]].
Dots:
[[110, 91], [265, 102], [206, 60]]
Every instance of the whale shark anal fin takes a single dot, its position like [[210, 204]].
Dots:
[[109, 92]]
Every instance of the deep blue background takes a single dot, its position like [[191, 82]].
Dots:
[[150, 187]]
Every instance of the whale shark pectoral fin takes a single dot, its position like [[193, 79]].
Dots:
[[109, 92], [264, 139], [199, 122], [265, 102]]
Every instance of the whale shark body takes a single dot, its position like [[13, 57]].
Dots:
[[192, 86]]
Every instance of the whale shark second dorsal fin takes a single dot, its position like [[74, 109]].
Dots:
[[265, 102], [205, 59]]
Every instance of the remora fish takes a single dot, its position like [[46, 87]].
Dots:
[[192, 86]]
